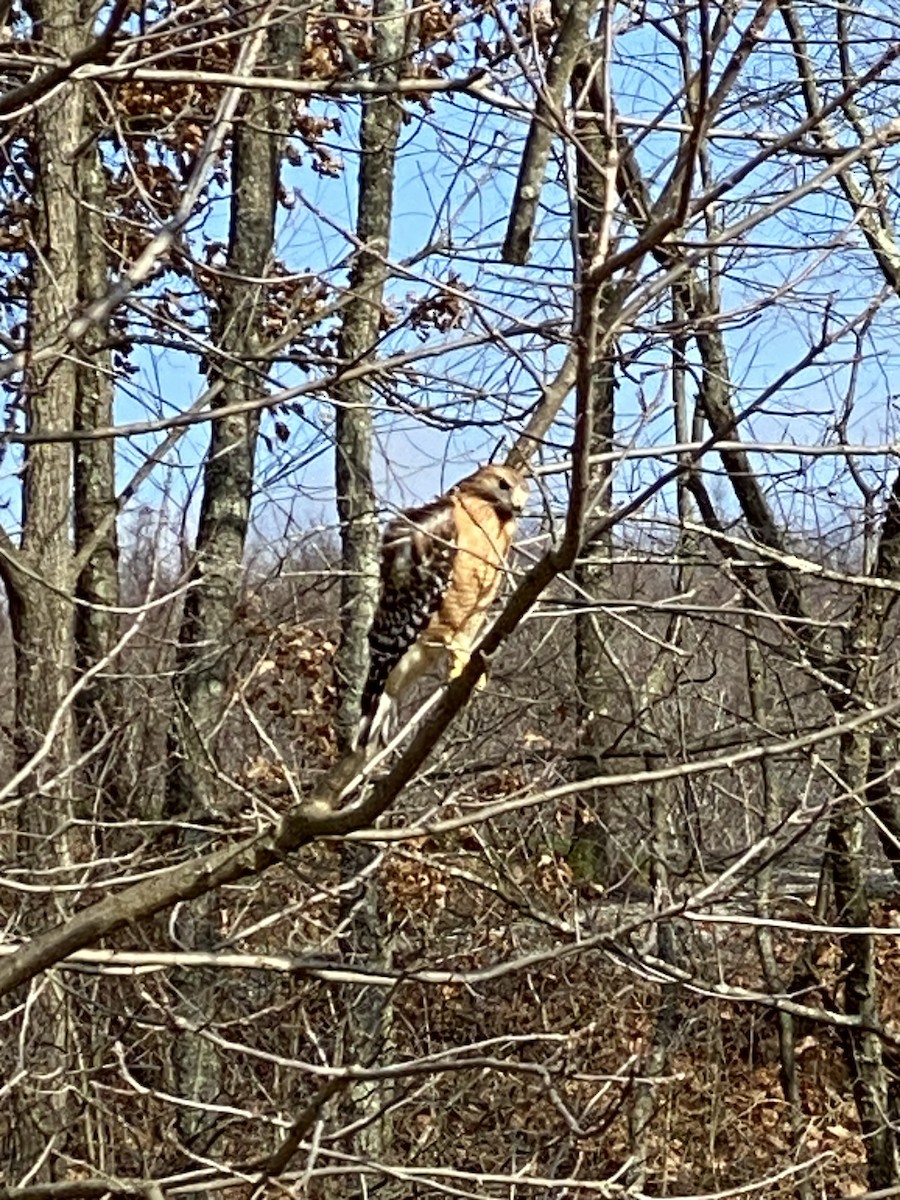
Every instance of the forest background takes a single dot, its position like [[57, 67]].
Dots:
[[622, 923]]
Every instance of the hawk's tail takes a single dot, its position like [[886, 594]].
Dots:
[[374, 719], [375, 705]]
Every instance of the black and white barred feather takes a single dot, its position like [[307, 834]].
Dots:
[[416, 569]]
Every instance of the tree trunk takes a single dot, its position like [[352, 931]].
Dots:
[[360, 327], [590, 855], [207, 628], [40, 586], [873, 1089], [881, 794], [240, 303], [96, 626], [663, 841], [204, 657], [367, 938], [41, 607], [772, 814]]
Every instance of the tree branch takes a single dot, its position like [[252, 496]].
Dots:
[[545, 123]]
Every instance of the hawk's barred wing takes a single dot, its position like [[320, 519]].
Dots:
[[416, 568]]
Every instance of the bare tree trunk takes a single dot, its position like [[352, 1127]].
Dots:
[[873, 1088], [41, 607], [366, 933], [360, 538], [771, 814], [881, 794], [97, 589], [667, 1017], [696, 305], [204, 656], [590, 855], [847, 684], [663, 842], [40, 582], [207, 628]]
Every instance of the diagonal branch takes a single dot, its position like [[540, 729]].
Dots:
[[545, 123], [552, 399]]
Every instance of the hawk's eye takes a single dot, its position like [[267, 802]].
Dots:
[[503, 484]]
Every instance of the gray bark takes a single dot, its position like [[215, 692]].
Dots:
[[41, 608], [849, 673], [207, 628], [667, 1017], [96, 626], [698, 309], [873, 1087], [40, 580], [881, 793], [360, 537], [367, 935], [204, 659], [569, 44], [662, 807], [771, 814], [590, 856]]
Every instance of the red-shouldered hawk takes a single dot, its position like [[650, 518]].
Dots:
[[441, 567]]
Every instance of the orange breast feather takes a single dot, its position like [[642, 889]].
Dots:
[[482, 544]]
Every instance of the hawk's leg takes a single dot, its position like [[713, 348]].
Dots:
[[459, 660]]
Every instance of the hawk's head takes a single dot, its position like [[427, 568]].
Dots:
[[503, 488]]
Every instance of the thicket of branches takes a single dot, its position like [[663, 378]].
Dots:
[[622, 923]]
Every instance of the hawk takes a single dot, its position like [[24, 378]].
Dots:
[[441, 567]]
